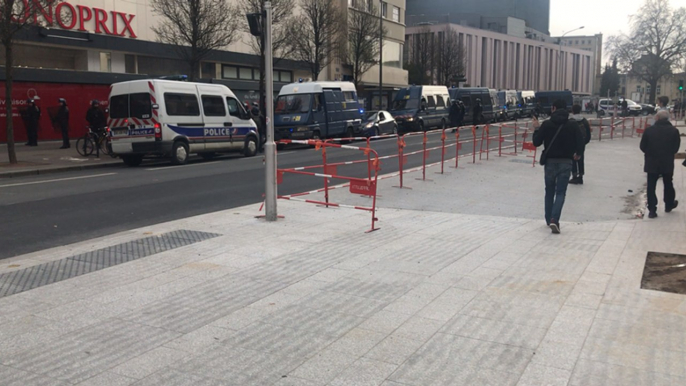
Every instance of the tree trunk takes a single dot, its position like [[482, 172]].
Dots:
[[653, 92], [9, 62]]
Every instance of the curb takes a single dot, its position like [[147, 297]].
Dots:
[[35, 172]]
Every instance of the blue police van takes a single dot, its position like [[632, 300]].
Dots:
[[317, 110], [546, 99], [470, 96], [421, 108]]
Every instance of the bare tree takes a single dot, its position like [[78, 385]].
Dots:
[[317, 38], [421, 57], [15, 15], [450, 57], [282, 27], [195, 27], [364, 32], [656, 44]]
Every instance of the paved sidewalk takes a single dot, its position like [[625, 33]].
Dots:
[[443, 294], [47, 157]]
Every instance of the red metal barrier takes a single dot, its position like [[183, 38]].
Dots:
[[363, 186]]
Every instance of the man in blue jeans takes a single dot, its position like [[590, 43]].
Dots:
[[563, 144]]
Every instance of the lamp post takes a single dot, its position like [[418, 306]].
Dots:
[[380, 54], [559, 42]]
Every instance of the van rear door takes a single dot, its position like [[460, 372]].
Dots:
[[131, 117]]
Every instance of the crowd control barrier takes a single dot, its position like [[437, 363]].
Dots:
[[363, 186]]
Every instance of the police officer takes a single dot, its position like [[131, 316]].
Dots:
[[477, 111], [31, 116], [62, 121], [95, 116]]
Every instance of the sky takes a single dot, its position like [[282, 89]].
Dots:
[[608, 17]]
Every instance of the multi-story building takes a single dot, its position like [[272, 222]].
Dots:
[[497, 14], [394, 76], [638, 90], [501, 61], [592, 44]]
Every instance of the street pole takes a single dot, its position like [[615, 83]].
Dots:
[[270, 147], [559, 42], [380, 54]]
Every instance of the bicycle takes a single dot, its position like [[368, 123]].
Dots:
[[95, 141]]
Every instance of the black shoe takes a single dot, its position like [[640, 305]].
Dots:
[[652, 214], [555, 227], [64, 147], [672, 207], [574, 181], [27, 144], [580, 180]]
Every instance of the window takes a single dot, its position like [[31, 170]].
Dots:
[[392, 54], [181, 104], [638, 88], [396, 14], [235, 108], [119, 106], [130, 64], [384, 10], [350, 96], [213, 106], [440, 102], [659, 88], [140, 105], [431, 101], [229, 72], [382, 117], [286, 76], [245, 73], [105, 62], [290, 104]]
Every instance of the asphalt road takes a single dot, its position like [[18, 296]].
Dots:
[[41, 212]]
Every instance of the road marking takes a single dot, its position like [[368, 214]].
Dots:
[[57, 180], [182, 166]]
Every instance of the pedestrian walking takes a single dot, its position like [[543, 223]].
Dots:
[[477, 111], [578, 167], [625, 108], [563, 143], [662, 103], [31, 116], [660, 143], [62, 121]]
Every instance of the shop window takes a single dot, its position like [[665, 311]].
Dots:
[[105, 62], [245, 73], [130, 64], [230, 72]]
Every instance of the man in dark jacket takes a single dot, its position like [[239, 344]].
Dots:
[[477, 111], [578, 168], [95, 117], [62, 121], [31, 116], [563, 143], [454, 114], [660, 143]]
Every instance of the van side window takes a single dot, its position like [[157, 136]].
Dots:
[[350, 96], [440, 102], [181, 104], [234, 107], [213, 106], [431, 101], [382, 117]]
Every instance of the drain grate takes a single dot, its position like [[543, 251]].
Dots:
[[37, 276], [665, 272]]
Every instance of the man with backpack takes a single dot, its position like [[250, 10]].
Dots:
[[578, 168]]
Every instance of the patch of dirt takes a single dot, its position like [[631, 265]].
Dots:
[[665, 272]]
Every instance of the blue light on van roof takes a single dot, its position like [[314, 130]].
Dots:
[[300, 80], [361, 111]]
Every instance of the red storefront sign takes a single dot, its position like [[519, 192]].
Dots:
[[78, 98], [81, 18]]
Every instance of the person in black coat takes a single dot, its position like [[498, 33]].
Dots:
[[96, 117], [31, 116], [477, 111], [62, 121], [454, 114], [578, 167], [563, 144], [660, 143]]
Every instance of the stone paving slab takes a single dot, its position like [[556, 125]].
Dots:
[[433, 298]]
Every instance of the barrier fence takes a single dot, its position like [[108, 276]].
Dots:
[[513, 139]]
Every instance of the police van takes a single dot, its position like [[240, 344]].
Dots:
[[165, 118], [317, 110], [469, 97], [421, 108]]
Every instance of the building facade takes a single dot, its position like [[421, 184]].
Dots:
[[638, 90], [501, 61], [592, 44], [534, 13]]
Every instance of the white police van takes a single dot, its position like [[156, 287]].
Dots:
[[166, 118]]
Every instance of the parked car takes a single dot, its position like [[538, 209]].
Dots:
[[379, 123], [607, 107], [647, 109]]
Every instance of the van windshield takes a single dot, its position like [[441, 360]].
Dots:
[[407, 99], [289, 104], [131, 105]]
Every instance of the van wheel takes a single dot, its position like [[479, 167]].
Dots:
[[179, 153], [208, 156], [132, 160], [250, 147]]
